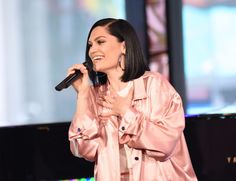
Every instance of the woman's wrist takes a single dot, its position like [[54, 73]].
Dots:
[[83, 93]]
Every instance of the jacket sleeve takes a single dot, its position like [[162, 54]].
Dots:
[[158, 131], [84, 133]]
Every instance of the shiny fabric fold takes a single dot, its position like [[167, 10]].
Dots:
[[152, 128]]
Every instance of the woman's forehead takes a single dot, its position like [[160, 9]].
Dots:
[[98, 31]]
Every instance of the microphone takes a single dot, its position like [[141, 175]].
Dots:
[[70, 79]]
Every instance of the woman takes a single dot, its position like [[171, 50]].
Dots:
[[130, 121]]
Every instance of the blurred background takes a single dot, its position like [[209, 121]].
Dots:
[[209, 55], [40, 39], [191, 42]]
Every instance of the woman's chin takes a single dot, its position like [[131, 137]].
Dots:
[[96, 68]]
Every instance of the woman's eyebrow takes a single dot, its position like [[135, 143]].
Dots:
[[97, 38]]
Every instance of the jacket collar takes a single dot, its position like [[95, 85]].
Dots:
[[139, 88]]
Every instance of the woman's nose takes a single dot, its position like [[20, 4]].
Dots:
[[92, 48]]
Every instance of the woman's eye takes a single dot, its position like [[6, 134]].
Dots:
[[89, 45], [100, 41]]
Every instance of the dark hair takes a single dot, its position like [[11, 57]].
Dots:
[[135, 64]]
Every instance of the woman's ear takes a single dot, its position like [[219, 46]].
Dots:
[[123, 48]]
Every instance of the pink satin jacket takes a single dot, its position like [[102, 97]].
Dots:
[[152, 129]]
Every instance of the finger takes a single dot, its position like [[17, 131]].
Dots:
[[100, 102], [107, 114], [80, 67], [104, 104], [70, 71], [109, 99], [105, 98], [84, 70], [107, 105], [101, 98]]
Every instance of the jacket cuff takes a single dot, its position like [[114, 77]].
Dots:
[[83, 128]]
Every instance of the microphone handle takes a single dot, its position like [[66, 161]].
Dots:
[[68, 80]]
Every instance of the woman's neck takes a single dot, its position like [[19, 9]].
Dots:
[[115, 82]]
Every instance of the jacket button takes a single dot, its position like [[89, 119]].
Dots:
[[136, 158], [123, 128]]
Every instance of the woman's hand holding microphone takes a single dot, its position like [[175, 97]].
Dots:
[[82, 84]]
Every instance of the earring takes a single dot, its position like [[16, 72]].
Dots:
[[120, 60]]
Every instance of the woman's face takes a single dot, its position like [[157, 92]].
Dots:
[[104, 50]]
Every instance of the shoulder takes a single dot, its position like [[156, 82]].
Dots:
[[150, 74], [156, 77], [155, 80]]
